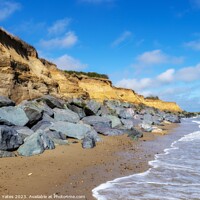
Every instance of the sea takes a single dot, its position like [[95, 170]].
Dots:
[[174, 174]]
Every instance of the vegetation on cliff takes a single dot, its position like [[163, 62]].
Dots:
[[89, 74], [190, 114], [152, 97]]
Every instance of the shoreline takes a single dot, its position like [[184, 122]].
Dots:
[[70, 170]]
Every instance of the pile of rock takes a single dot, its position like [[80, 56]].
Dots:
[[34, 126]]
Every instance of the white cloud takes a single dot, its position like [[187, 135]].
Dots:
[[96, 1], [7, 8], [59, 26], [167, 76], [66, 62], [187, 96], [124, 36], [152, 57], [175, 60], [69, 40], [170, 76], [156, 57], [189, 74], [135, 84], [195, 44]]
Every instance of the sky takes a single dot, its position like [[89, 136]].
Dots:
[[150, 46]]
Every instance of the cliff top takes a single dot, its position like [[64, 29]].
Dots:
[[22, 48]]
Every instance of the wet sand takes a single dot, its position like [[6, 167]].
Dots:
[[70, 172]]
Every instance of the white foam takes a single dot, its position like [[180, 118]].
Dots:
[[190, 137], [198, 122], [108, 184], [95, 191], [195, 117]]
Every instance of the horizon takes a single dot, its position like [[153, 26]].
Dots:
[[151, 47]]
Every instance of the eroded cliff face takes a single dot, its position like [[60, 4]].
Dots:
[[100, 90], [25, 76]]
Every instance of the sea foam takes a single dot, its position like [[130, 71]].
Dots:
[[173, 174]]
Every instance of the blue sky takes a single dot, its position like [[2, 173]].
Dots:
[[150, 46]]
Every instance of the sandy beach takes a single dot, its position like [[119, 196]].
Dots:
[[69, 170]]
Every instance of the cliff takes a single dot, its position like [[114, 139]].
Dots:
[[23, 75], [101, 89]]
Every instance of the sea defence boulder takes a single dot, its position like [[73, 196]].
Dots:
[[91, 107], [78, 131], [14, 115], [55, 135], [110, 131], [42, 125], [23, 131], [97, 121], [65, 115], [34, 126], [80, 111], [130, 123], [146, 127], [5, 101], [9, 139], [51, 101], [135, 134], [35, 144], [44, 108], [5, 122], [126, 113], [4, 154], [115, 121], [31, 110], [172, 118], [148, 119], [88, 142]]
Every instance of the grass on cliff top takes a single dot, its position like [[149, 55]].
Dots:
[[89, 74], [152, 97]]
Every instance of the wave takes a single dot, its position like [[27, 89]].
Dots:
[[175, 173]]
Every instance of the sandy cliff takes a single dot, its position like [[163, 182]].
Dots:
[[23, 75], [101, 89]]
